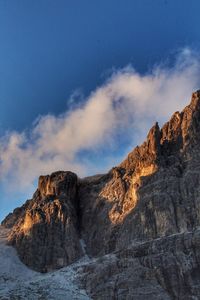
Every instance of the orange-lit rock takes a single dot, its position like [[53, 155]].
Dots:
[[144, 213], [45, 233]]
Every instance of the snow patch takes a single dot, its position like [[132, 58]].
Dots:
[[19, 282], [83, 246]]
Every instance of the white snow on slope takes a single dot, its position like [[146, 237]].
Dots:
[[83, 247], [17, 282]]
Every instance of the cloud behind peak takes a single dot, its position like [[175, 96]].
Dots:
[[125, 105]]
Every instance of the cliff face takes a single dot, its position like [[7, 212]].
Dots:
[[154, 192], [146, 212], [45, 232]]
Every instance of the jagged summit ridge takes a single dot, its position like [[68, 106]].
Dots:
[[172, 138], [153, 195]]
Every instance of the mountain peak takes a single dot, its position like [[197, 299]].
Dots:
[[146, 209], [61, 198], [195, 100], [180, 131]]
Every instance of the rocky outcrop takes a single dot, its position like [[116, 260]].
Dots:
[[160, 269], [14, 217], [46, 232], [140, 220], [154, 192]]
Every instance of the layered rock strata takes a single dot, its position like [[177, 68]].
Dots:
[[141, 218], [45, 232]]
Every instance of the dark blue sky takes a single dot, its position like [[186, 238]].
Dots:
[[50, 48]]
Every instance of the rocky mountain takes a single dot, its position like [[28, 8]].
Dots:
[[18, 282], [139, 223]]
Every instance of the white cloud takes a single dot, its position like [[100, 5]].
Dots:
[[128, 102]]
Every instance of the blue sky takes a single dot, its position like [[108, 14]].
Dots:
[[59, 57]]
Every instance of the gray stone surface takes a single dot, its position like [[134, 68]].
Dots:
[[45, 233], [163, 268], [140, 220]]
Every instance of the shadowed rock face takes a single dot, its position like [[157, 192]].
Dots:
[[45, 233], [154, 192], [146, 212]]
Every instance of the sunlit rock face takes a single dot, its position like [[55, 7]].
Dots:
[[46, 232], [145, 212], [154, 192]]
